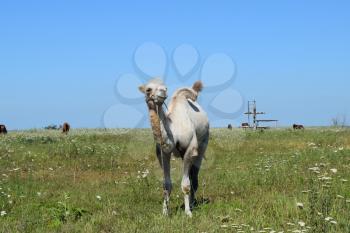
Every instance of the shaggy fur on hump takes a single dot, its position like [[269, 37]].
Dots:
[[186, 93], [189, 93], [197, 86]]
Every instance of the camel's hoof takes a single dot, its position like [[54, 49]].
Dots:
[[189, 213], [165, 212]]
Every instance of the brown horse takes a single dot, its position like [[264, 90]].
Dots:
[[3, 129], [295, 126], [65, 128]]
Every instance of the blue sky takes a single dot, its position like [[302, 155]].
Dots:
[[59, 60]]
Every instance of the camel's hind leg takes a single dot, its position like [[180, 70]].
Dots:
[[190, 156], [194, 171]]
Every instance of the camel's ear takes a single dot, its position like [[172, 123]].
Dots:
[[142, 88]]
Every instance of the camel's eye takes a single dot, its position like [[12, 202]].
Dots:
[[148, 90]]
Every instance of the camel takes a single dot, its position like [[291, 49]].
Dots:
[[3, 129], [65, 128], [182, 131]]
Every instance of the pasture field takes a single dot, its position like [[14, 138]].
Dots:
[[110, 181]]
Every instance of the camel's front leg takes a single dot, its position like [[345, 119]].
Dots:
[[167, 183], [164, 160]]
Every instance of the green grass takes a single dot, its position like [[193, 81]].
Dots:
[[251, 181]]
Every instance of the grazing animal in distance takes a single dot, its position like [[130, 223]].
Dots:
[[3, 129], [229, 126], [182, 131], [295, 126], [65, 128]]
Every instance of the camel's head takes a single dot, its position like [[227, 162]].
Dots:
[[155, 90]]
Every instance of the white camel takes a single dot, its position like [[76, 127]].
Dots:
[[182, 131]]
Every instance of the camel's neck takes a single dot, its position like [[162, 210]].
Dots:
[[160, 124]]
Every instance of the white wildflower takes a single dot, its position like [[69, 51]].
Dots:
[[315, 169], [98, 197], [3, 213], [328, 219], [334, 170], [300, 205], [301, 223], [145, 173], [325, 178], [333, 222]]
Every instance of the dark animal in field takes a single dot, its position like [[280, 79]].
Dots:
[[295, 126], [51, 127], [65, 128], [3, 129], [229, 126]]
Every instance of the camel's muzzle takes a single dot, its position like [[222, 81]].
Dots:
[[160, 97]]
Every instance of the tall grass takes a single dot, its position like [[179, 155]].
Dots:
[[110, 181]]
